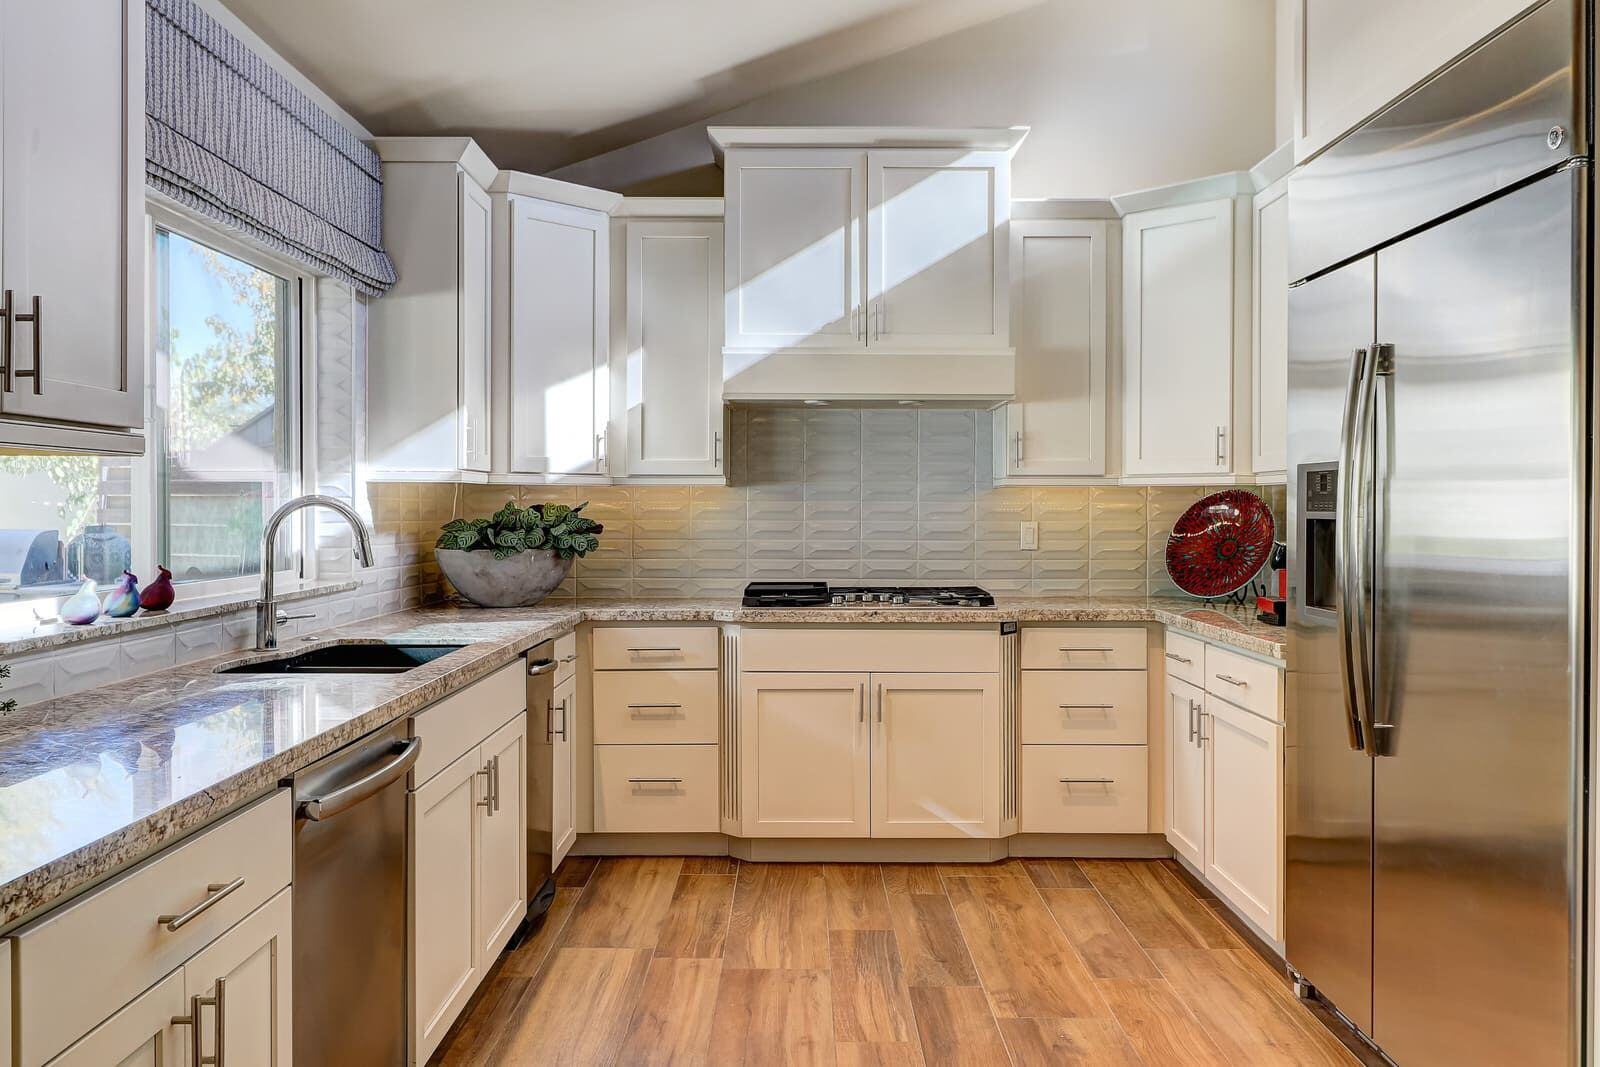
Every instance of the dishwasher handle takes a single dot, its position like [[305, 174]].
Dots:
[[537, 667], [348, 796]]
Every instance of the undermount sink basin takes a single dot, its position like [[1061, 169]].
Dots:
[[373, 658]]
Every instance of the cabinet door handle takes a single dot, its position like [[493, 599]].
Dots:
[[562, 733], [197, 1004], [1231, 680], [494, 782], [1018, 437], [1191, 721], [221, 1007], [855, 323], [861, 703], [1204, 737], [880, 702], [487, 803], [600, 452], [716, 448], [215, 892], [1222, 445], [8, 369], [1179, 659]]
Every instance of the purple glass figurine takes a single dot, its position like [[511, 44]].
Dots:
[[123, 600], [159, 594]]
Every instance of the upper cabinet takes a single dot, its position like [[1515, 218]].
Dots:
[[866, 263], [1269, 331], [1357, 56], [72, 225], [1059, 302], [428, 337], [1181, 300], [551, 328], [672, 363]]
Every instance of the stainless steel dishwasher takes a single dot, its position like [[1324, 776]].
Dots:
[[541, 784], [350, 902]]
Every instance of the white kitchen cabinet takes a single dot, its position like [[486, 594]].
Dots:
[[1269, 341], [564, 810], [428, 412], [935, 755], [1186, 771], [793, 271], [1244, 812], [245, 977], [552, 327], [444, 891], [1357, 56], [805, 754], [937, 249], [502, 895], [146, 1033], [673, 360], [1057, 423], [72, 221], [1179, 340]]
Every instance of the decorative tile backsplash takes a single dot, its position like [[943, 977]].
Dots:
[[876, 496]]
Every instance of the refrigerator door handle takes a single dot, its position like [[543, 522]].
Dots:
[[1382, 364], [1349, 585]]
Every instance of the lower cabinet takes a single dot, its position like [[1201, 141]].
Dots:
[[551, 726], [238, 990], [468, 877], [870, 755], [1186, 771], [1244, 812], [1085, 789], [146, 1033]]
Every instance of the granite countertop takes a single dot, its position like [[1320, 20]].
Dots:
[[92, 782]]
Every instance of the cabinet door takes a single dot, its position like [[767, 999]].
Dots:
[[935, 755], [804, 755], [559, 318], [563, 805], [444, 875], [1057, 424], [1269, 328], [247, 972], [1186, 772], [1244, 812], [143, 1034], [72, 224], [1178, 339], [474, 264], [794, 247], [674, 357], [937, 249], [502, 896]]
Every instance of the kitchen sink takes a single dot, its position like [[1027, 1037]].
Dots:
[[362, 658]]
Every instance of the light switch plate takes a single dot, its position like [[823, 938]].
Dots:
[[1030, 536]]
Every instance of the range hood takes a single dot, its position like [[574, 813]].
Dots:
[[867, 265]]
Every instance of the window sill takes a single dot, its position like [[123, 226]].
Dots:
[[21, 633]]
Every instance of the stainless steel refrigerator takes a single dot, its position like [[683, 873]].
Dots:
[[1438, 551]]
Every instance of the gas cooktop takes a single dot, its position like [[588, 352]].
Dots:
[[823, 595]]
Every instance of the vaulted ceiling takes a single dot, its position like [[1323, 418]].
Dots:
[[544, 83]]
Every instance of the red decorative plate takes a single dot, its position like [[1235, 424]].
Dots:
[[1220, 543]]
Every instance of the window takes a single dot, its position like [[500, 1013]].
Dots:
[[222, 444]]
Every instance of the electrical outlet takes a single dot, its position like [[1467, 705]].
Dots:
[[1030, 536]]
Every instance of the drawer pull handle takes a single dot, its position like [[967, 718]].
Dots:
[[1087, 781], [656, 648], [1180, 659], [1101, 648], [1086, 707], [656, 781], [646, 706], [1231, 680], [569, 659], [215, 892]]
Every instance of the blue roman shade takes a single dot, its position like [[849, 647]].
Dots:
[[228, 136]]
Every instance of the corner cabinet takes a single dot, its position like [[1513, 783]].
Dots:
[[428, 349], [1059, 302], [552, 328], [72, 225], [673, 361], [1181, 299]]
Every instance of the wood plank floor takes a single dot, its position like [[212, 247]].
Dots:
[[712, 961]]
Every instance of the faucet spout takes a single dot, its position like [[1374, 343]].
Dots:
[[267, 606]]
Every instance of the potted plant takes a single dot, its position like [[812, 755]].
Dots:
[[516, 557]]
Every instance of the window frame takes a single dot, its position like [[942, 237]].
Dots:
[[300, 363]]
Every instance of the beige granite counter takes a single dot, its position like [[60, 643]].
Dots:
[[92, 782]]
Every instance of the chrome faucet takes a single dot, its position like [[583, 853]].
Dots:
[[267, 615]]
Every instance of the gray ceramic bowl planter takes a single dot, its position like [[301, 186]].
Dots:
[[518, 556]]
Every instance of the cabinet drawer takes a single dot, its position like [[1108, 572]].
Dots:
[[655, 707], [1110, 796], [462, 719], [566, 651], [654, 647], [1185, 658], [1248, 683], [85, 960], [1079, 649], [682, 798], [1083, 708], [900, 649]]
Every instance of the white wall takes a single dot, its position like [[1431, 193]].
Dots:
[[1120, 96]]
